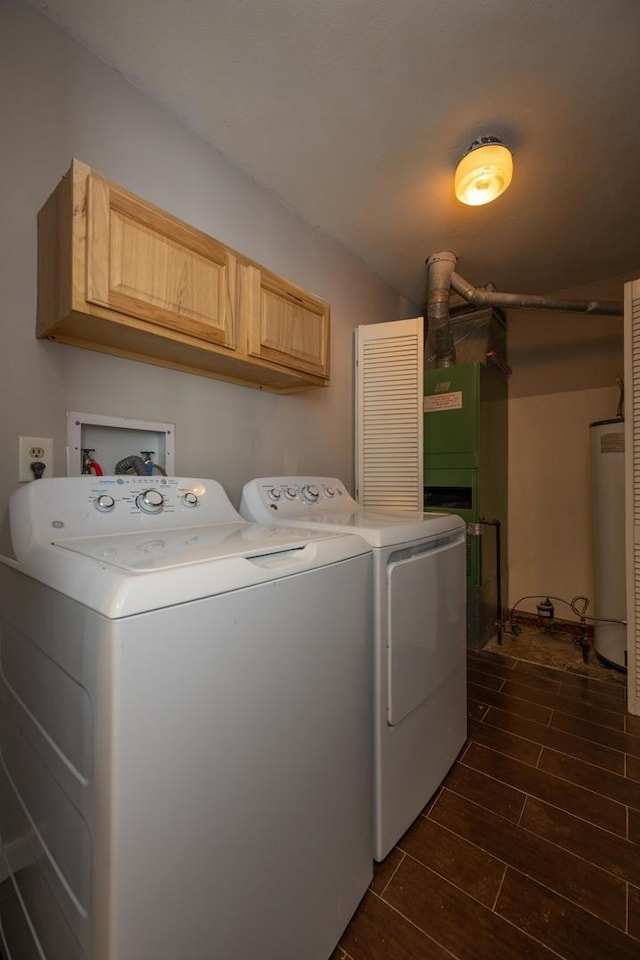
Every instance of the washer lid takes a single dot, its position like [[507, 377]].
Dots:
[[122, 575], [166, 549]]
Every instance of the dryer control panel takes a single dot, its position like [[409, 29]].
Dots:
[[295, 498]]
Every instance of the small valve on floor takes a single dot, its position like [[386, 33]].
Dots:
[[37, 469], [545, 609]]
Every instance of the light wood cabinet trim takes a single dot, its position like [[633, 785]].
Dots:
[[136, 340]]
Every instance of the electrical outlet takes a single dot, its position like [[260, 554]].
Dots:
[[34, 450]]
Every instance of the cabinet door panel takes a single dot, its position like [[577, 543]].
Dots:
[[285, 324], [148, 265]]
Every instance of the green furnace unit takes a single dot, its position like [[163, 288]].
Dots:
[[465, 472]]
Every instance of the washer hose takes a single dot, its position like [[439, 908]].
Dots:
[[128, 464]]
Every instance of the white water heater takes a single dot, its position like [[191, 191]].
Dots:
[[607, 476]]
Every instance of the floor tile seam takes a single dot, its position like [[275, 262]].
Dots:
[[593, 863], [555, 730], [530, 691], [547, 946], [478, 681], [563, 896], [519, 736], [471, 843], [432, 869], [492, 776], [412, 923], [523, 700], [524, 807], [541, 668], [538, 836], [475, 802], [591, 740], [597, 793], [522, 682], [534, 796], [431, 803], [599, 699], [400, 861], [627, 909], [544, 943], [499, 890], [570, 688], [487, 705], [488, 656], [575, 716]]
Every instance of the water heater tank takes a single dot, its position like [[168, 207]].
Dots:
[[607, 474]]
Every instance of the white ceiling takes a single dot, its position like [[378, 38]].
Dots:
[[355, 113]]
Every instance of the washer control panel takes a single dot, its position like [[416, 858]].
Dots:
[[294, 497], [61, 507]]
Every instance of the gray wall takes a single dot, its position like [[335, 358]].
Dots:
[[59, 101]]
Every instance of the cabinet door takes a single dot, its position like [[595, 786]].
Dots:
[[284, 324], [146, 264]]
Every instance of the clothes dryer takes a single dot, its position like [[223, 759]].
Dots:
[[419, 635], [185, 738]]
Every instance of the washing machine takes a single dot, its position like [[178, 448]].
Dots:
[[419, 635], [185, 737]]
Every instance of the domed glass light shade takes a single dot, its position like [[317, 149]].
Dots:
[[484, 172]]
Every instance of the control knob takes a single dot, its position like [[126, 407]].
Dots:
[[190, 499], [329, 492], [150, 501], [310, 493], [274, 493], [104, 503], [291, 493]]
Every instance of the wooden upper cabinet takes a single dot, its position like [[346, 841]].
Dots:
[[144, 263], [121, 276], [283, 323]]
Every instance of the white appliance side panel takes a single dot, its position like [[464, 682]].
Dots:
[[55, 756], [425, 612], [244, 770], [413, 758]]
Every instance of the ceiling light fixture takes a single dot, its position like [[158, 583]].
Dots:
[[484, 172]]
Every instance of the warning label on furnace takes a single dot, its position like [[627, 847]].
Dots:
[[443, 401]]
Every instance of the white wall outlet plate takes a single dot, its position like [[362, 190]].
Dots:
[[36, 451]]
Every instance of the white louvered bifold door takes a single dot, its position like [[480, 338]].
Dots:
[[389, 388], [632, 483]]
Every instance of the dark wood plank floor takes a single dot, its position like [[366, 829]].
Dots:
[[531, 848]]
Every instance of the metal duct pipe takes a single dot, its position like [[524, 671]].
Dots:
[[489, 298], [439, 272]]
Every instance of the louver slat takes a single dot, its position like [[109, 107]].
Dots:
[[389, 388]]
